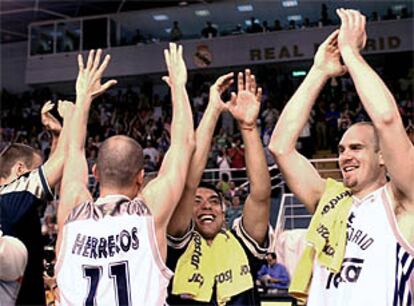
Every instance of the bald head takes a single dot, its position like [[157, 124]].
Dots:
[[120, 159]]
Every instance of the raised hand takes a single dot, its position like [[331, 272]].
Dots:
[[217, 89], [245, 106], [327, 58], [352, 32], [48, 120], [88, 83], [65, 108], [177, 70]]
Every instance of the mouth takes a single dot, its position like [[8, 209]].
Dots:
[[206, 218], [349, 169]]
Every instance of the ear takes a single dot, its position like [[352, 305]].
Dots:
[[19, 169], [95, 172], [140, 178]]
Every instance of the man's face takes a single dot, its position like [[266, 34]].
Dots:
[[270, 260], [208, 213], [359, 159]]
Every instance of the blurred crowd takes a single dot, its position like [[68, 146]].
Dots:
[[147, 119], [254, 25]]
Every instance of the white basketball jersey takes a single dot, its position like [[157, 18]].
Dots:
[[109, 256], [378, 263]]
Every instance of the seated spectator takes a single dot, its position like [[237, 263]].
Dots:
[[277, 26], [273, 277], [390, 15], [374, 16], [176, 33], [234, 211], [254, 27], [306, 24], [237, 30], [209, 31], [265, 27], [404, 13], [149, 165]]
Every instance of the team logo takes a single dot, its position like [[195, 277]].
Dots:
[[349, 273], [203, 57]]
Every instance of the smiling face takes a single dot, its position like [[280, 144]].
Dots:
[[360, 160], [208, 213]]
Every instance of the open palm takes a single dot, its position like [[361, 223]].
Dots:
[[327, 58], [245, 106]]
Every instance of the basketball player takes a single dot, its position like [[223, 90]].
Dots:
[[224, 259], [378, 248], [112, 251], [26, 183]]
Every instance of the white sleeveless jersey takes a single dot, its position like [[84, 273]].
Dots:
[[109, 256], [378, 265]]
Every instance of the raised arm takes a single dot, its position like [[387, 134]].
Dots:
[[301, 177], [181, 218], [163, 193], [245, 108], [396, 148], [51, 124], [53, 167], [74, 187]]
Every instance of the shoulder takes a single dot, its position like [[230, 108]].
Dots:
[[247, 242], [34, 182], [183, 241]]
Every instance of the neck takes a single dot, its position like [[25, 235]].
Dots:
[[129, 192], [361, 193]]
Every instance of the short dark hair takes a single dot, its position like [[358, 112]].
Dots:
[[272, 254], [119, 160], [13, 153], [214, 188]]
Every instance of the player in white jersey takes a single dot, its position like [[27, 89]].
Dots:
[[377, 268], [112, 251]]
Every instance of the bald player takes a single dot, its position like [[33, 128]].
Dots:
[[114, 248], [379, 256]]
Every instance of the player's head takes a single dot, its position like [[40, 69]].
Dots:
[[17, 159], [208, 213], [119, 164], [360, 158]]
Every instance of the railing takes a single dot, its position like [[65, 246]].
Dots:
[[239, 175]]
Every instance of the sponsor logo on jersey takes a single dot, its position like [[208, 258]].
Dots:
[[349, 273], [357, 236]]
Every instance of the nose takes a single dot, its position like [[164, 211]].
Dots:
[[206, 205]]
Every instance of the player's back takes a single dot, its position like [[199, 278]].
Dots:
[[109, 255]]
